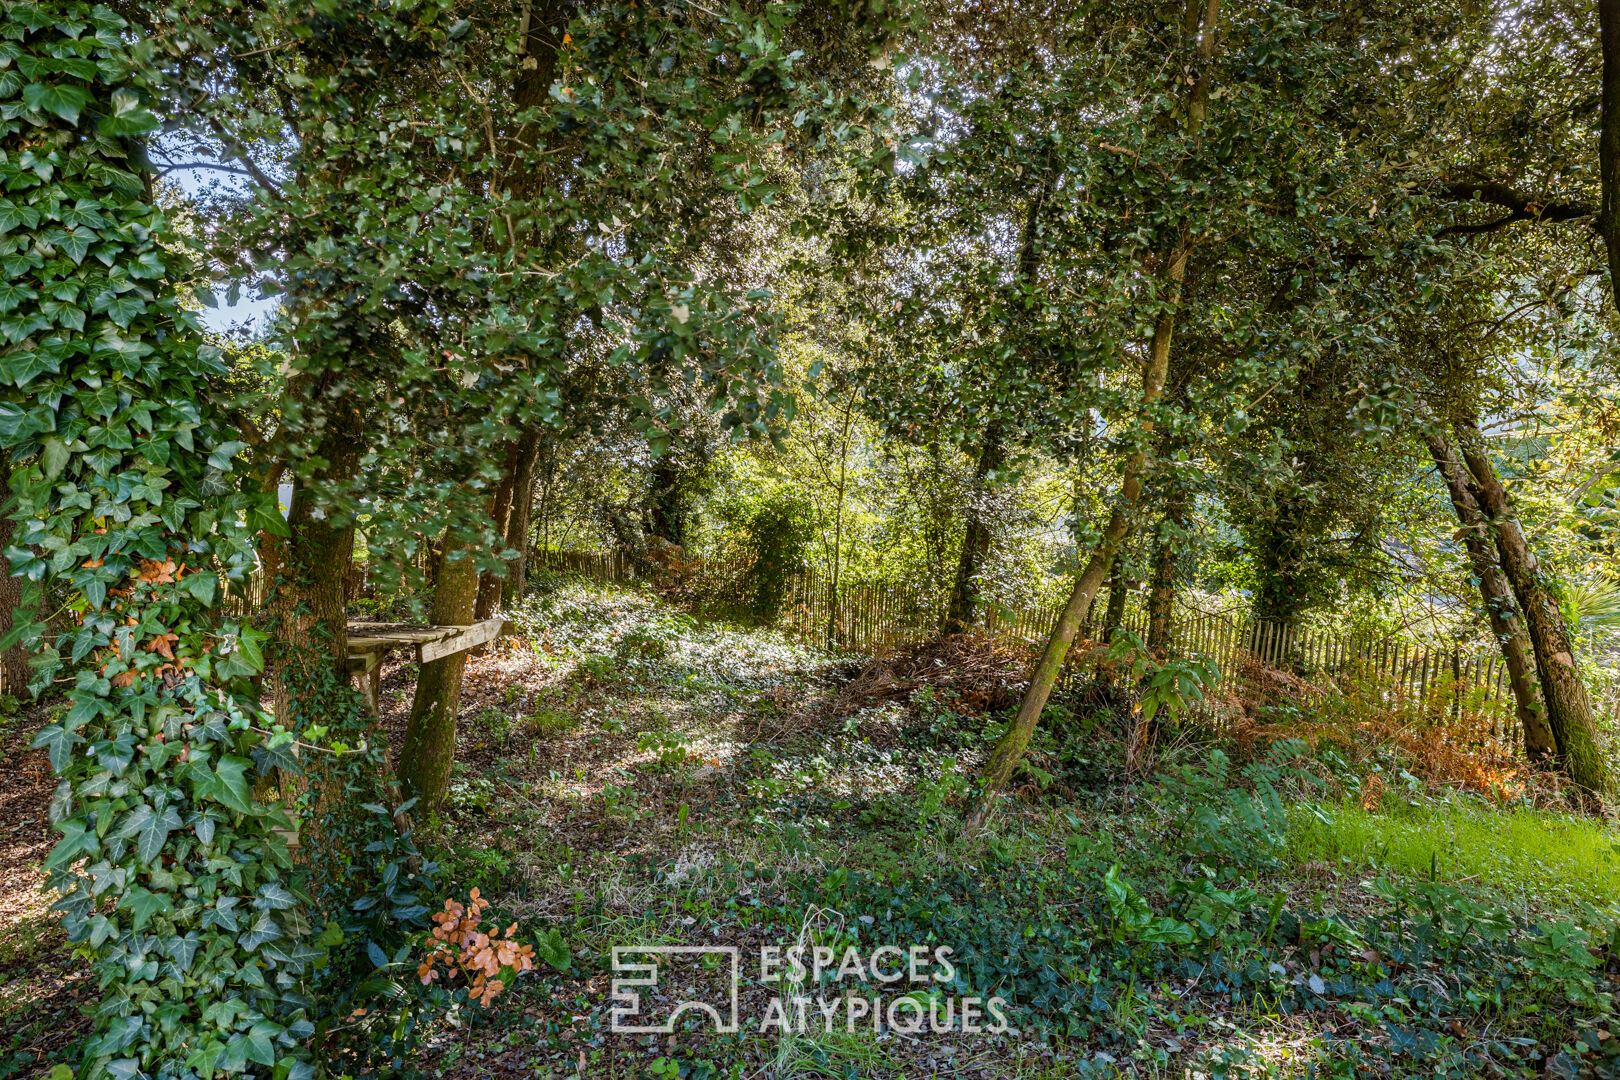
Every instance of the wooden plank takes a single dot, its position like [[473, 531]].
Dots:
[[460, 639], [362, 663]]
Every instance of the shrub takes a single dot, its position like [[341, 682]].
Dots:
[[777, 534], [488, 961]]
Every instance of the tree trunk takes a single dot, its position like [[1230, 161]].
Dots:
[[1161, 599], [1609, 140], [1506, 626], [1010, 750], [1569, 710], [429, 747], [517, 526], [309, 571], [14, 669], [963, 609], [838, 522], [540, 35], [1004, 758], [500, 510], [1119, 591]]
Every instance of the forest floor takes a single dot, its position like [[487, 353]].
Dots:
[[629, 776]]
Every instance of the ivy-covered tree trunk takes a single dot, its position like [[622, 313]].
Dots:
[[963, 608], [1010, 750], [309, 572], [171, 876], [429, 747], [666, 501], [1503, 616], [1569, 709], [1284, 558], [1162, 595], [500, 510], [14, 670]]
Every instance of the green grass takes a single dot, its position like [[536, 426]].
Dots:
[[1555, 858]]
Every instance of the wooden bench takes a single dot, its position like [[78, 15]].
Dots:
[[369, 642]]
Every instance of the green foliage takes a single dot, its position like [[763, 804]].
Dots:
[[1241, 827], [1134, 920], [552, 947], [669, 749], [1172, 685], [173, 874], [1559, 858], [777, 534]]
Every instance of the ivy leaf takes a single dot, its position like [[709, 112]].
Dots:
[[123, 309], [58, 742], [274, 897], [102, 401], [55, 455], [230, 785], [145, 904], [12, 215], [76, 244], [269, 755], [263, 930], [182, 950], [221, 457], [62, 99], [150, 830], [12, 294]]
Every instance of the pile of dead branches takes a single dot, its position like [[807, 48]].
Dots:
[[974, 674]]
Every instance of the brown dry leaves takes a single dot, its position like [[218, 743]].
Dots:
[[480, 957]]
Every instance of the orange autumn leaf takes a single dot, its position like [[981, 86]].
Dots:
[[459, 942], [158, 573]]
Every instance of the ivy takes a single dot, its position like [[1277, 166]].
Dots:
[[174, 879]]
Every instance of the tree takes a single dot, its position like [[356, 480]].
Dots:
[[1569, 710], [1229, 155], [1505, 623], [127, 499]]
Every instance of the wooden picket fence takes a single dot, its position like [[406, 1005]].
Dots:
[[869, 617]]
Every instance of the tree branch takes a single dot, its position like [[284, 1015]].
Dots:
[[1520, 207], [247, 163]]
